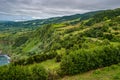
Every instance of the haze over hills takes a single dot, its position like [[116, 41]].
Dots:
[[64, 46]]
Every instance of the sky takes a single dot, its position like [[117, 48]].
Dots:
[[18, 10]]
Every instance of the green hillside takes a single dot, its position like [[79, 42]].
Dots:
[[65, 46], [66, 36]]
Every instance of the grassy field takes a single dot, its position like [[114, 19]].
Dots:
[[50, 64]]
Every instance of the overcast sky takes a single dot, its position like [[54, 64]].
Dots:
[[38, 9]]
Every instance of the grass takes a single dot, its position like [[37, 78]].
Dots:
[[50, 64], [30, 46], [59, 25], [107, 73]]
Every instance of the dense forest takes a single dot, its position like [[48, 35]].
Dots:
[[50, 49]]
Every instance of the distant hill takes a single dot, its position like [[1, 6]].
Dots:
[[39, 22]]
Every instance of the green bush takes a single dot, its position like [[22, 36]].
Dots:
[[106, 42], [84, 60], [35, 59], [95, 32], [39, 73], [23, 73], [108, 36], [58, 58], [14, 73]]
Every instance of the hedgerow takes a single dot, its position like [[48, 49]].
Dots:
[[84, 60]]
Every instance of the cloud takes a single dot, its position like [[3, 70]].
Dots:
[[51, 8], [34, 17]]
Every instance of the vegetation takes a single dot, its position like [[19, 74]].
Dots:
[[19, 72], [83, 60], [107, 73], [65, 46]]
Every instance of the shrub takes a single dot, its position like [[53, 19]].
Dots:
[[108, 36], [35, 59], [84, 60], [94, 32], [12, 72], [106, 42], [58, 58], [39, 73], [116, 39]]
